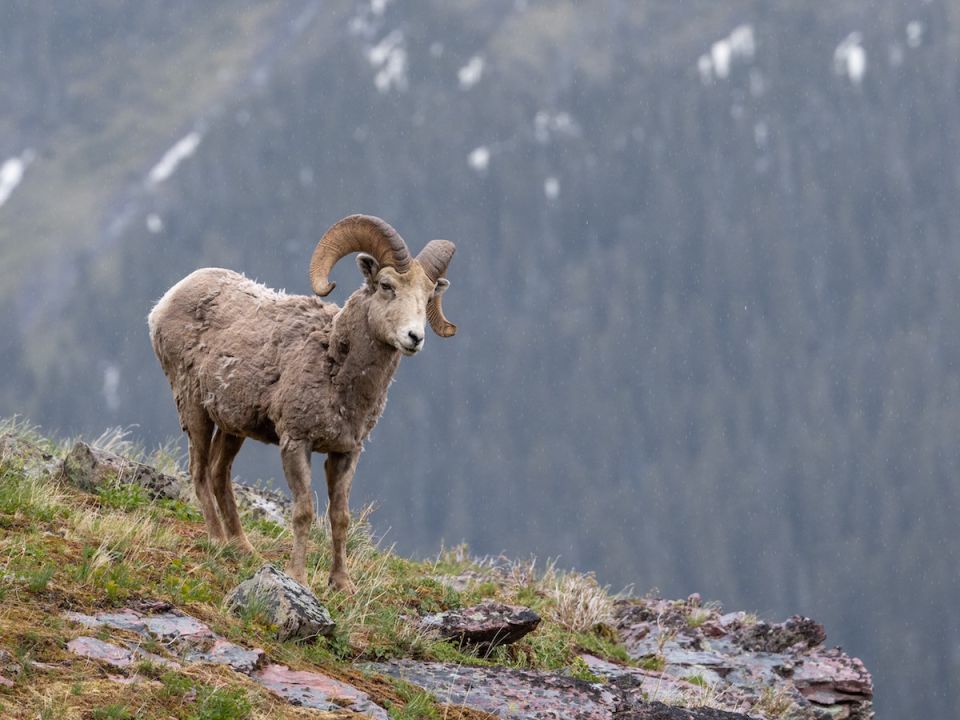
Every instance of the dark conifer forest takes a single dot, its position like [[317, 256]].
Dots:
[[707, 278]]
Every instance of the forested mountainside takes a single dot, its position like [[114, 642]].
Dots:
[[706, 278]]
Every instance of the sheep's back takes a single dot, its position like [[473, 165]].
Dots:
[[223, 341]]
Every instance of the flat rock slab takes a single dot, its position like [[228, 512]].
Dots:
[[659, 711], [167, 627], [195, 641], [286, 604], [638, 685], [109, 653], [115, 655], [514, 694], [531, 695], [484, 626], [316, 691], [832, 678], [224, 652]]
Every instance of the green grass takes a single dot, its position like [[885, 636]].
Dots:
[[112, 712], [123, 496], [91, 552]]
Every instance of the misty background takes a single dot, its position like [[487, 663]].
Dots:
[[707, 279]]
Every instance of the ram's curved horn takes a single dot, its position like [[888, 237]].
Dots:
[[434, 259], [356, 233]]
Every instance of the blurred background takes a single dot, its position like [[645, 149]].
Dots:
[[707, 280]]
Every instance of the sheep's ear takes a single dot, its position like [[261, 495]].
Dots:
[[442, 285], [369, 267]]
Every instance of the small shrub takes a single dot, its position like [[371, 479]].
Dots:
[[180, 510], [581, 671], [221, 704], [653, 663], [175, 685], [37, 580], [112, 712], [123, 496]]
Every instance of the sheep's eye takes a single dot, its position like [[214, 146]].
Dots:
[[387, 287]]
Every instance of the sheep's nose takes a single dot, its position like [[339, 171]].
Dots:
[[416, 337]]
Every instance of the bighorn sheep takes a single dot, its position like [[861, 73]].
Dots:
[[245, 361]]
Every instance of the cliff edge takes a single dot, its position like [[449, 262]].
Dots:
[[115, 605]]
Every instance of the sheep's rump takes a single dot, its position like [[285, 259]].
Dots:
[[224, 342]]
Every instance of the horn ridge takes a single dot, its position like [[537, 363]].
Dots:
[[434, 259], [356, 233]]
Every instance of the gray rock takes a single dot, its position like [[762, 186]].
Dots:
[[507, 693], [484, 626], [37, 462], [292, 608], [90, 468], [533, 695], [262, 503], [743, 659], [317, 691]]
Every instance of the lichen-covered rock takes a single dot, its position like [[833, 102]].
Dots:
[[90, 468], [262, 503], [34, 460], [194, 642], [531, 695], [484, 626], [746, 661], [286, 604], [9, 668], [507, 693], [317, 691], [795, 631]]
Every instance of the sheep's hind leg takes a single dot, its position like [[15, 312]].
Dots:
[[224, 450], [340, 468], [199, 430], [295, 456]]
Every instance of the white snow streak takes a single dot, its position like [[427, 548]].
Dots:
[[154, 223], [850, 58], [479, 158], [11, 173], [390, 57], [111, 386], [915, 32], [181, 150], [470, 74], [551, 188], [545, 126], [739, 45]]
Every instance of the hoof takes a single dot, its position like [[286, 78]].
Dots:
[[243, 545], [342, 582]]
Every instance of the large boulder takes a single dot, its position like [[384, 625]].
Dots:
[[745, 660], [284, 603], [91, 469]]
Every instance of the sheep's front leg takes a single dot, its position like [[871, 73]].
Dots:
[[295, 455], [340, 468]]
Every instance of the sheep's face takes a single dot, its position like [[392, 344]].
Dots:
[[397, 305]]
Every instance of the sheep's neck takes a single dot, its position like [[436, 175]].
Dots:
[[363, 367]]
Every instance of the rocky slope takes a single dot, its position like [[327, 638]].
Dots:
[[116, 606]]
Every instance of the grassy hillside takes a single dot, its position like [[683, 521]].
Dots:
[[66, 550]]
